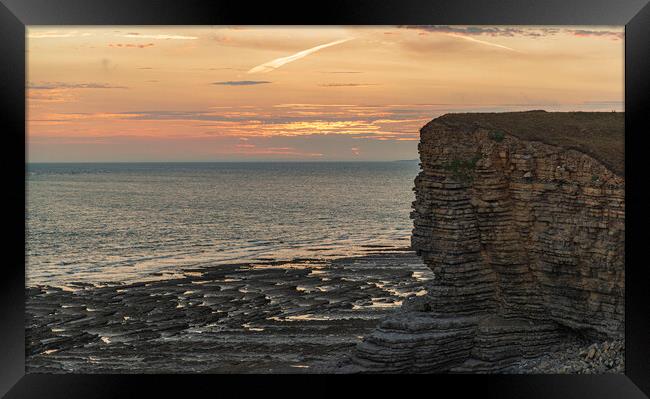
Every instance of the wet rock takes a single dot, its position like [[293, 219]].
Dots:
[[263, 317], [416, 342], [591, 353]]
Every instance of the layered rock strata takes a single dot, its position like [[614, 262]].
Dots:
[[524, 234]]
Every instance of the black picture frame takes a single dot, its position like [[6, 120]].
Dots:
[[15, 15]]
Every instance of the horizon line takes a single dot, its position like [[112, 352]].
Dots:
[[222, 161]]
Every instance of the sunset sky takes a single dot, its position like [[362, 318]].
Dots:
[[296, 93]]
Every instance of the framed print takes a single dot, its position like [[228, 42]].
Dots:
[[219, 195]]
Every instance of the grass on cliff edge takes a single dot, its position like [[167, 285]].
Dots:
[[600, 135]]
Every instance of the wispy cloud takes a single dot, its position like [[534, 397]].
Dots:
[[485, 30], [597, 33], [363, 125], [51, 34], [348, 84], [62, 92], [159, 36], [130, 45], [507, 31], [55, 34], [241, 82], [483, 42], [63, 85], [278, 62]]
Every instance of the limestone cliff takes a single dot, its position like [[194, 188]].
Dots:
[[521, 218]]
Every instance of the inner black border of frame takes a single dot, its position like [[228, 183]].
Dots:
[[16, 14]]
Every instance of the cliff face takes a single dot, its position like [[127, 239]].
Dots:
[[525, 234]]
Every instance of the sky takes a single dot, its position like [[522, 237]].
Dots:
[[250, 93]]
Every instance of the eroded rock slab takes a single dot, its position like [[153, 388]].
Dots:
[[416, 342]]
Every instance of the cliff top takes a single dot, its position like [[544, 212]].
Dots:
[[598, 134]]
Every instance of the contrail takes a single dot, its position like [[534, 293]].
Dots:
[[471, 39], [278, 62]]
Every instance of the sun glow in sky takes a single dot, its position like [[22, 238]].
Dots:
[[296, 93]]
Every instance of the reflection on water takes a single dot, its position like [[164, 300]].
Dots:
[[125, 222]]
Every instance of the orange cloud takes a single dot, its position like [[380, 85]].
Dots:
[[597, 33], [130, 45], [371, 94]]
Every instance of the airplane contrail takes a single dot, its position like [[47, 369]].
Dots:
[[471, 39], [278, 62]]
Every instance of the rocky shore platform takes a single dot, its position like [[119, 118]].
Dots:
[[293, 317], [303, 316]]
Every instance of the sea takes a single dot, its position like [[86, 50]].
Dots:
[[100, 223]]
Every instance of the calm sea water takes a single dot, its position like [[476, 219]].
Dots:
[[123, 222]]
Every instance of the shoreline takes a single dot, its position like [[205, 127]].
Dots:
[[321, 255], [269, 316]]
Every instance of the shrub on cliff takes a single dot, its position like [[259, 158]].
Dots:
[[497, 135], [461, 169]]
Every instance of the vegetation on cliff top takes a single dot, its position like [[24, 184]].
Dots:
[[598, 134]]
